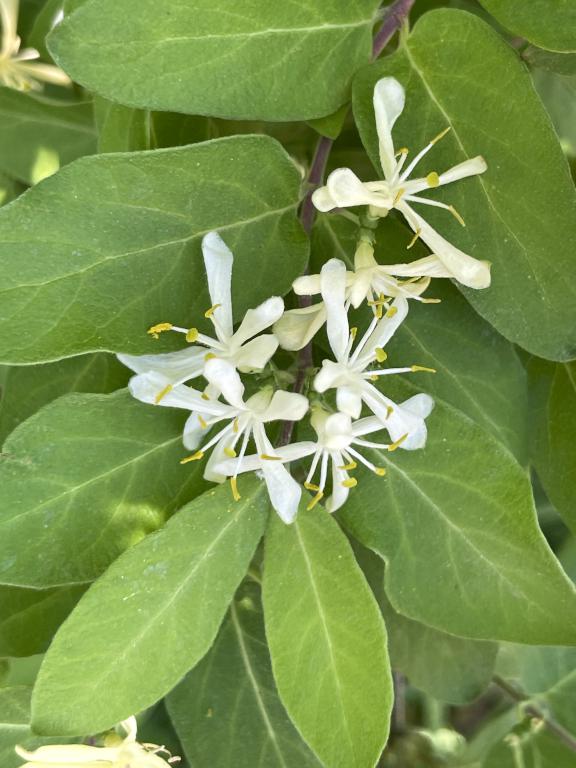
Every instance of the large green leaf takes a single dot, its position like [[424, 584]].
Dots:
[[456, 524], [478, 371], [520, 214], [549, 24], [25, 389], [226, 710], [111, 244], [14, 724], [122, 129], [39, 135], [30, 617], [240, 59], [553, 449], [151, 617], [82, 480], [327, 641]]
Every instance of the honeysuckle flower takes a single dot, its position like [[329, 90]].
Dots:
[[244, 348], [18, 68], [244, 419], [350, 373], [116, 753], [338, 440], [344, 189]]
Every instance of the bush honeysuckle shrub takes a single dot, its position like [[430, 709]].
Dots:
[[287, 384]]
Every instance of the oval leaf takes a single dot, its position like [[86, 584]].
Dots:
[[549, 24]]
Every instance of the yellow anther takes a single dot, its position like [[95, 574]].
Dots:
[[433, 180], [398, 197], [456, 215], [202, 421], [236, 426], [234, 486], [380, 471], [266, 457], [315, 500], [230, 452], [391, 311], [402, 151], [381, 356], [210, 312], [204, 396], [398, 443], [311, 487], [353, 332], [389, 411], [163, 393], [416, 368], [209, 356], [440, 135], [414, 239], [379, 312], [351, 482], [430, 301], [156, 330], [374, 377], [195, 457], [349, 467], [192, 335]]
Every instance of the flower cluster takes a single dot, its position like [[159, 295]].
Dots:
[[227, 380]]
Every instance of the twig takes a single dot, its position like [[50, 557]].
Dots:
[[393, 20], [532, 710]]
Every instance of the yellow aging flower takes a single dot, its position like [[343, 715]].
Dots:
[[127, 753]]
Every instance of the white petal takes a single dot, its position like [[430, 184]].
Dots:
[[9, 16], [284, 491], [397, 420], [223, 375], [148, 388], [174, 366], [360, 286], [349, 401], [323, 200], [194, 433], [420, 405], [297, 327], [218, 259], [428, 266], [389, 99], [344, 189], [329, 376], [285, 406], [257, 320], [255, 354], [307, 285], [45, 72], [338, 431], [68, 754], [367, 426], [212, 471], [286, 453], [339, 492], [333, 285], [464, 268], [471, 167], [384, 331]]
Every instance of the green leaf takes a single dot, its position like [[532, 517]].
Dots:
[[553, 428], [30, 617], [151, 617], [558, 93], [524, 228], [25, 389], [456, 525], [39, 135], [14, 724], [111, 244], [82, 480], [263, 61], [548, 24], [226, 710], [327, 641], [562, 63], [120, 128]]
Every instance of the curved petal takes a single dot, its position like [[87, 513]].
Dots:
[[155, 389], [333, 285], [344, 190], [471, 167], [217, 456], [254, 355], [329, 376], [68, 754], [286, 454], [366, 426], [428, 266], [360, 286], [307, 285], [339, 491], [349, 401], [218, 260], [224, 376], [285, 406], [384, 330], [9, 18], [194, 432], [420, 405], [257, 320], [180, 366], [389, 100], [464, 268], [284, 491], [297, 327], [401, 423]]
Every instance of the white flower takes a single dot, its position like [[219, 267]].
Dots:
[[349, 373], [120, 753], [240, 348], [244, 419], [337, 443], [344, 189], [18, 69]]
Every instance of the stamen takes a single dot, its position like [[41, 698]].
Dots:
[[398, 443], [230, 452], [236, 426], [353, 332], [391, 311], [315, 500], [381, 356], [234, 486], [209, 312], [456, 215], [374, 377], [431, 301], [380, 471], [202, 421], [266, 457], [167, 389], [195, 457], [398, 197], [403, 151], [351, 482], [433, 180], [156, 330], [441, 135], [204, 396], [416, 368], [349, 467], [209, 356], [311, 487], [192, 335], [389, 411], [414, 239]]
